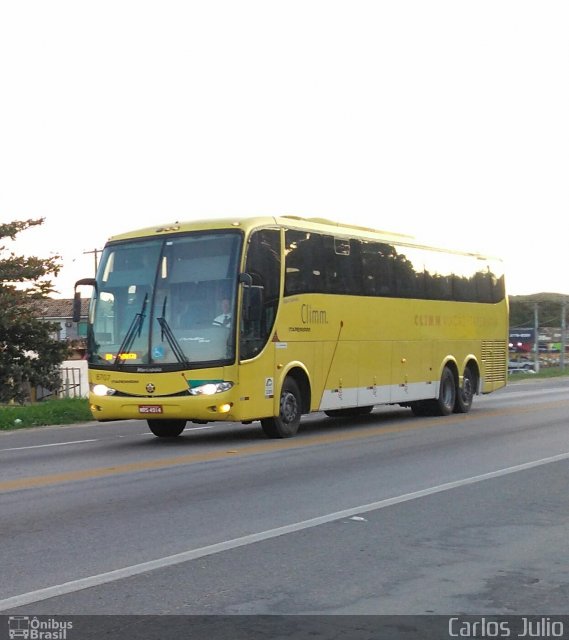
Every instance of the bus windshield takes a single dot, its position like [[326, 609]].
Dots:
[[166, 301]]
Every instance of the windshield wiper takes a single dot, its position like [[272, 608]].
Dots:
[[134, 330], [170, 337]]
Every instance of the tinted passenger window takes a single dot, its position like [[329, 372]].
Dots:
[[409, 273], [305, 263], [377, 265], [318, 263], [340, 262], [321, 264]]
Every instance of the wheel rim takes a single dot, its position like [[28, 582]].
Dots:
[[447, 393], [467, 391], [289, 407]]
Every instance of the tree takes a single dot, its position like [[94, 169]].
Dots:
[[29, 356], [550, 306]]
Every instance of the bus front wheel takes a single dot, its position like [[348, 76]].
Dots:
[[286, 424], [166, 428]]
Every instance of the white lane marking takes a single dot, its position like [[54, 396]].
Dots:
[[41, 446], [126, 572], [63, 444]]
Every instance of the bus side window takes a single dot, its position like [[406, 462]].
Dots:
[[342, 269], [306, 265], [377, 260], [409, 273]]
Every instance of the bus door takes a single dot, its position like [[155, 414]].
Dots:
[[260, 294]]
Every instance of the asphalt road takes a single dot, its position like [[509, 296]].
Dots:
[[383, 514]]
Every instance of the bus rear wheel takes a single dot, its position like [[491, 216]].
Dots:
[[166, 428], [444, 404], [286, 424], [465, 394]]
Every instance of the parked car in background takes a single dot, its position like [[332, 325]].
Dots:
[[526, 367]]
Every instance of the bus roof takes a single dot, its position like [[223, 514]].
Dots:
[[322, 225]]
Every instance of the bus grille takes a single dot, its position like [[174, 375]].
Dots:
[[494, 359]]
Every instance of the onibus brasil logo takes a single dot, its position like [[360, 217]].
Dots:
[[32, 628]]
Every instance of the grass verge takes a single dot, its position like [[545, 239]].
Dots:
[[544, 372], [48, 412]]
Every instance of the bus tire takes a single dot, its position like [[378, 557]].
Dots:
[[444, 404], [286, 424], [166, 428], [465, 394], [349, 412]]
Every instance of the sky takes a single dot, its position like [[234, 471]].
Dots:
[[443, 119]]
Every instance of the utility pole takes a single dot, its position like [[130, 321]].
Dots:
[[563, 335], [95, 253], [536, 339]]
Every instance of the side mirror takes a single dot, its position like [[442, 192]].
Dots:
[[76, 307], [252, 298], [90, 282], [77, 297]]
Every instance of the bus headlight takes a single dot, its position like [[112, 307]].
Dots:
[[210, 388], [102, 390]]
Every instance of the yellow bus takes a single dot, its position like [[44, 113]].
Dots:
[[270, 318]]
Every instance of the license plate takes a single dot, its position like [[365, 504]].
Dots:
[[149, 408]]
